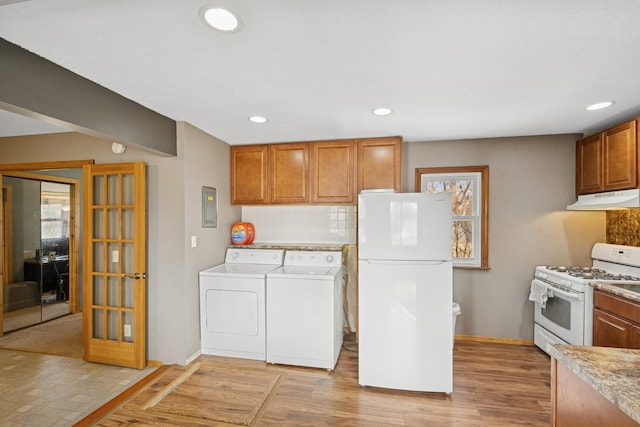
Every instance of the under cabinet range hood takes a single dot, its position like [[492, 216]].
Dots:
[[606, 201]]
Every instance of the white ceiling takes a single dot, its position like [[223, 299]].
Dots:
[[450, 69]]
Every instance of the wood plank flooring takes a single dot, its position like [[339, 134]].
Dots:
[[494, 385]]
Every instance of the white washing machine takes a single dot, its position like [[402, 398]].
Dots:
[[232, 303], [304, 309]]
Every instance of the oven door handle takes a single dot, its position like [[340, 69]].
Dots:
[[557, 291]]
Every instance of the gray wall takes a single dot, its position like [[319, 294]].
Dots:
[[207, 165], [173, 189], [531, 182]]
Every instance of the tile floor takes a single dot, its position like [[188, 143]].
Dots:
[[43, 390]]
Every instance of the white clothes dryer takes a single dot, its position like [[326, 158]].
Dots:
[[304, 309], [232, 303]]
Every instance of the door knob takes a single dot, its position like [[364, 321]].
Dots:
[[136, 276]]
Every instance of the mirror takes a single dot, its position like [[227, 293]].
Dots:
[[37, 227]]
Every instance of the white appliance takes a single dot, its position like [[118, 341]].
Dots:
[[304, 309], [609, 200], [232, 303], [563, 296], [405, 291]]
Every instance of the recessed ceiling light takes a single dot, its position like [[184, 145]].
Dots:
[[258, 119], [600, 105], [383, 111], [221, 19]]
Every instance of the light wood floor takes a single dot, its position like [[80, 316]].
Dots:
[[494, 385]]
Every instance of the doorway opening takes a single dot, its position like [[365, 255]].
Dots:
[[40, 248]]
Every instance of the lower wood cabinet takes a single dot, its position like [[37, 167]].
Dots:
[[616, 321]]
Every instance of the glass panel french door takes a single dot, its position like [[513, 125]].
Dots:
[[114, 328]]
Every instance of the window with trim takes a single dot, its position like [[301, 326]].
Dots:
[[469, 186], [54, 210]]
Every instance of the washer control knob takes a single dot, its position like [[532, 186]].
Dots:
[[329, 259]]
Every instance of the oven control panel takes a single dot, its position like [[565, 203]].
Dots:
[[558, 279], [619, 254]]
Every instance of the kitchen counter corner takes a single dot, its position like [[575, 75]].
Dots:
[[613, 372], [617, 289]]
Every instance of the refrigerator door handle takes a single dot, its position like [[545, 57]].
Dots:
[[406, 262]]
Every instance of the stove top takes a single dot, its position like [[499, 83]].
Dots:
[[611, 264], [591, 273]]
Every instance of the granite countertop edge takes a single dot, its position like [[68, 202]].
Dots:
[[616, 290], [296, 246], [613, 372]]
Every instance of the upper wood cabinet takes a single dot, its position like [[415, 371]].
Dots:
[[315, 172], [589, 165], [289, 173], [249, 175], [607, 161], [620, 162], [380, 163], [333, 172]]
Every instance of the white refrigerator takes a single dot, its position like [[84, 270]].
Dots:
[[405, 291]]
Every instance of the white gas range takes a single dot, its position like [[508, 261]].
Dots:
[[563, 296]]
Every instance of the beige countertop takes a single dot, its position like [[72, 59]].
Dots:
[[617, 290], [612, 372], [296, 246]]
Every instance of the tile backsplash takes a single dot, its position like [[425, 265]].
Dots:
[[302, 224], [623, 227]]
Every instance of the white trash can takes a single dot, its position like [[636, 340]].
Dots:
[[456, 313]]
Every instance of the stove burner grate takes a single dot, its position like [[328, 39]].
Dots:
[[591, 273]]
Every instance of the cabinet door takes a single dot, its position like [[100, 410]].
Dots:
[[380, 163], [333, 172], [610, 331], [620, 164], [249, 175], [589, 165], [289, 173]]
